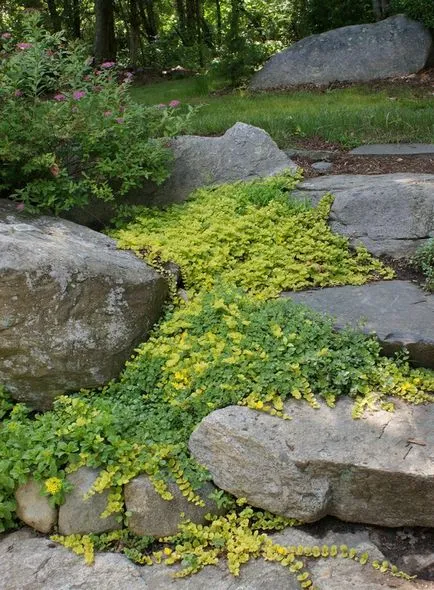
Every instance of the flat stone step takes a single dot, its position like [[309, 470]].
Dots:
[[399, 312], [389, 214], [394, 149]]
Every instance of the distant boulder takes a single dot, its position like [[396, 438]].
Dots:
[[396, 46]]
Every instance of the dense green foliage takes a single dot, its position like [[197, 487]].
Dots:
[[250, 235], [421, 10], [222, 348], [70, 132], [423, 260]]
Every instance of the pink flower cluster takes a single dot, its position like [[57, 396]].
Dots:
[[59, 97], [172, 104], [18, 93], [24, 45], [108, 64], [6, 36], [78, 94]]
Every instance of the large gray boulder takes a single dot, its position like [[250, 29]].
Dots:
[[399, 312], [28, 562], [72, 306], [150, 515], [244, 152], [396, 46], [391, 214], [377, 470]]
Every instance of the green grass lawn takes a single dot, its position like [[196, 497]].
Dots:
[[348, 116]]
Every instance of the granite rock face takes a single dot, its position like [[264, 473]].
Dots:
[[396, 46], [323, 462], [80, 514], [399, 312], [72, 306], [390, 214], [153, 516]]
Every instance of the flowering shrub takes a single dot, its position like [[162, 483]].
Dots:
[[69, 131]]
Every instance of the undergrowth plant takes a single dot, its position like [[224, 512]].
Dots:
[[251, 235], [423, 260], [239, 536], [223, 348]]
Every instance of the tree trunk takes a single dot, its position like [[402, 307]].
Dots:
[[218, 11], [105, 41], [54, 15]]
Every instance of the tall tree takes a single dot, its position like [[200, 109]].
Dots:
[[105, 40]]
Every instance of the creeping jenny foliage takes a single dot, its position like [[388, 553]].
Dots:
[[223, 348], [236, 246], [250, 235]]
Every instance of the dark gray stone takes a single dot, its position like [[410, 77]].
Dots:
[[80, 514], [396, 46], [399, 312], [72, 306], [28, 562], [323, 462], [152, 516], [391, 214], [393, 149], [322, 166]]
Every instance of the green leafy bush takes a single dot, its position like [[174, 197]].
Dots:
[[250, 235], [421, 10], [423, 260], [69, 132], [223, 348]]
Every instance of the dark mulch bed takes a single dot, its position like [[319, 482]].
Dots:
[[345, 163]]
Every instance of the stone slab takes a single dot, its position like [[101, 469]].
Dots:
[[400, 313], [393, 149], [323, 462], [389, 214]]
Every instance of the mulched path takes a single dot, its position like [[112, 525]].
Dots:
[[345, 163]]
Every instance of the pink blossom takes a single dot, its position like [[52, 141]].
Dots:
[[120, 120], [24, 45], [20, 207], [54, 169], [6, 35], [108, 64], [18, 93], [59, 97], [78, 94], [128, 77], [174, 103], [108, 113]]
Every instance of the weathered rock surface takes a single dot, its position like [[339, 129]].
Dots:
[[324, 462], [33, 508], [80, 515], [244, 152], [153, 516], [28, 562], [396, 46], [72, 307], [391, 214], [399, 313]]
